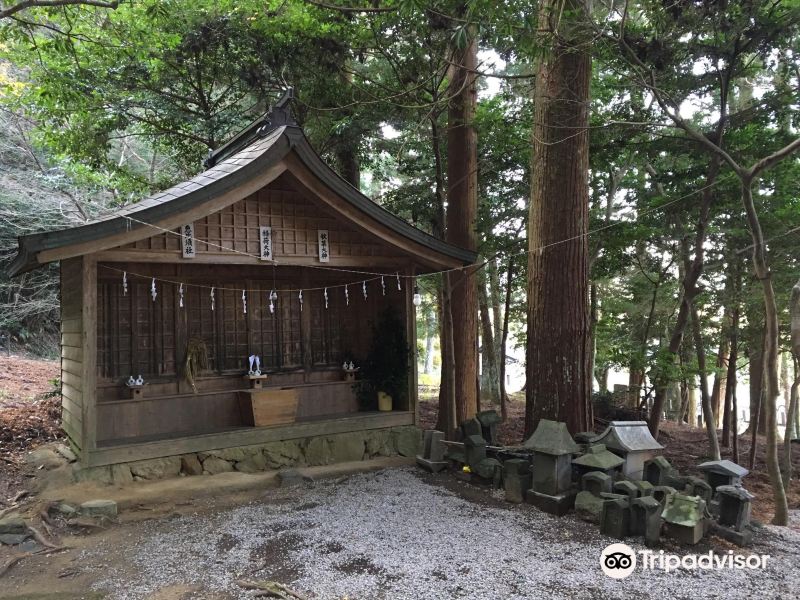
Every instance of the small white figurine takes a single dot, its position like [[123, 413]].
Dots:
[[258, 365], [352, 366], [140, 380], [252, 359], [131, 381], [344, 366]]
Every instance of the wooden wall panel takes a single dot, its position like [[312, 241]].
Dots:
[[72, 348], [295, 217]]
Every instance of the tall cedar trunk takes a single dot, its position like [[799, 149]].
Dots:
[[721, 373], [430, 323], [730, 421], [794, 311], [708, 412], [729, 417], [489, 374], [771, 333], [558, 345], [494, 303], [462, 209], [756, 376], [446, 413], [592, 333], [504, 341]]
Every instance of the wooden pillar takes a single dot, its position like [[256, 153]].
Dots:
[[411, 336], [89, 346]]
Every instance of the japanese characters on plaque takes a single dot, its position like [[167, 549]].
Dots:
[[187, 237], [324, 245], [265, 234]]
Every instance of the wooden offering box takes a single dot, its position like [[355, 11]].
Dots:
[[264, 407]]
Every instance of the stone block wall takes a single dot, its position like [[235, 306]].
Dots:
[[311, 451]]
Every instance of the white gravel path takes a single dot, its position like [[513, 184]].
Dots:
[[392, 535]]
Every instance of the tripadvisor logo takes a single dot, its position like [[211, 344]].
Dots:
[[619, 560]]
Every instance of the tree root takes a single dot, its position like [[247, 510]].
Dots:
[[270, 589]]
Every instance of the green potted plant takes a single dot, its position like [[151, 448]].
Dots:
[[384, 373]]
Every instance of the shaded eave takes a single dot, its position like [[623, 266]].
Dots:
[[263, 151]]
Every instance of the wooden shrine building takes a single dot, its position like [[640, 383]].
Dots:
[[198, 263]]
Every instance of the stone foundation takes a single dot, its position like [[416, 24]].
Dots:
[[311, 451]]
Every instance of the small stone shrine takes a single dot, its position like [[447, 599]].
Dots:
[[685, 518], [657, 470], [631, 440], [734, 506], [551, 488], [597, 458], [723, 472]]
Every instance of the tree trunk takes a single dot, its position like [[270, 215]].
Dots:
[[721, 373], [504, 341], [489, 373], [771, 333], [789, 433], [756, 374], [558, 376], [462, 209], [708, 411], [730, 419]]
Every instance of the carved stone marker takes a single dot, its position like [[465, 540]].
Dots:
[[489, 420], [646, 519], [432, 458], [589, 502], [615, 518], [516, 479]]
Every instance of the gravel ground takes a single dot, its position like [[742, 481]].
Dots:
[[401, 534]]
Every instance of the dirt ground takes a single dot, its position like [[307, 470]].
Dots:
[[395, 534], [27, 417]]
